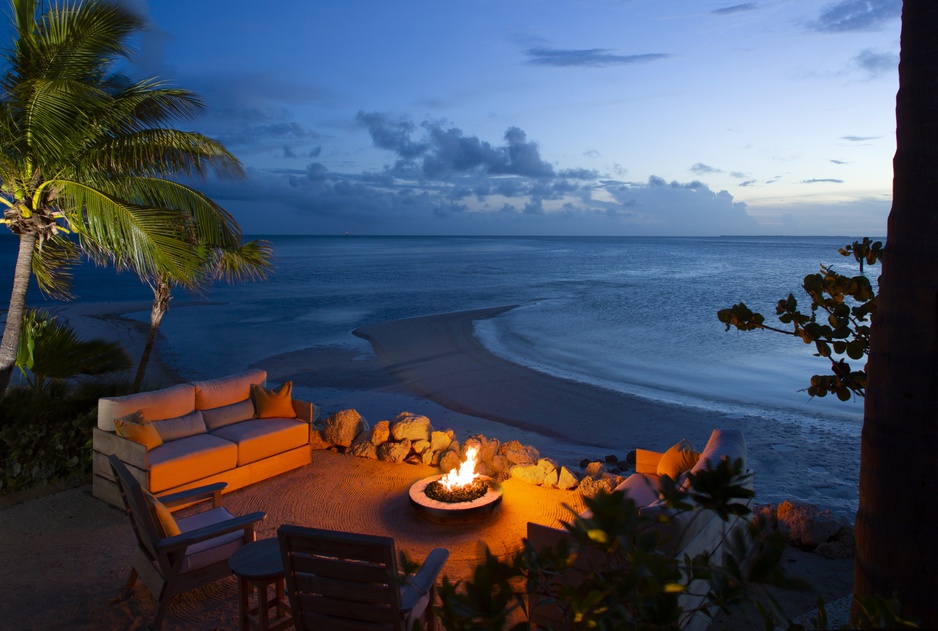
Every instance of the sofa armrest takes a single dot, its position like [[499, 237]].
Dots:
[[646, 461], [305, 411], [128, 451]]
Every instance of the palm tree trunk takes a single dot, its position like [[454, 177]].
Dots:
[[9, 346], [161, 297], [897, 521]]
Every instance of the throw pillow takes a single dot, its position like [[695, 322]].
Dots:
[[137, 428], [679, 458], [273, 403], [164, 518]]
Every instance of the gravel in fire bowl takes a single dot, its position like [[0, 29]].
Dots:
[[465, 493]]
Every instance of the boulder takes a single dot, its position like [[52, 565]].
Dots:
[[500, 465], [411, 427], [765, 516], [317, 441], [518, 453], [488, 447], [420, 446], [449, 461], [364, 449], [806, 525], [431, 458], [342, 427], [439, 441], [394, 452], [595, 470], [590, 487], [566, 479], [530, 473], [381, 432], [551, 478]]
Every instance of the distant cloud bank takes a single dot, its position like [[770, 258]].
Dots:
[[857, 15], [591, 57]]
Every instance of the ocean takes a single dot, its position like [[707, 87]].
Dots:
[[631, 314]]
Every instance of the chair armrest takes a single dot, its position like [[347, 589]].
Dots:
[[424, 580], [305, 411], [191, 496], [647, 461], [244, 522]]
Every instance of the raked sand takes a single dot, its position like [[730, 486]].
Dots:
[[65, 554]]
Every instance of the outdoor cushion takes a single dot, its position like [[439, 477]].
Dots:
[[166, 403], [205, 553], [228, 414], [215, 393], [259, 438], [137, 428], [193, 458], [273, 403], [679, 458], [181, 426], [164, 518], [723, 442]]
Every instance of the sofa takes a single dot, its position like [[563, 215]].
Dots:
[[199, 433], [684, 533]]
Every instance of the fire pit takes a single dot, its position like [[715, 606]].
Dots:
[[460, 496]]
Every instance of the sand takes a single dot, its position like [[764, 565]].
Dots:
[[66, 553]]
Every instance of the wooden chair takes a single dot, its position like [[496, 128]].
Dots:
[[198, 555], [343, 581]]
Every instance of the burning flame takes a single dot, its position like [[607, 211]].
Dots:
[[464, 474]]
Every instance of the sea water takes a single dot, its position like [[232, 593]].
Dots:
[[631, 314]]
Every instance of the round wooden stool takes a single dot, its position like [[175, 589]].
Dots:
[[257, 566]]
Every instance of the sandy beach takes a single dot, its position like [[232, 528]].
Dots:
[[431, 365]]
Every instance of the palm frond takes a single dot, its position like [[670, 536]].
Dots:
[[52, 266], [252, 261]]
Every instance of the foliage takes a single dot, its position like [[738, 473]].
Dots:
[[838, 323], [50, 350], [47, 438]]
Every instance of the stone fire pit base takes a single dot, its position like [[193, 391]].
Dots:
[[479, 509]]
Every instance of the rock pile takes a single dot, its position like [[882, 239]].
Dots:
[[412, 438], [809, 527]]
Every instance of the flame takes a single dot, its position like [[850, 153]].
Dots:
[[464, 474]]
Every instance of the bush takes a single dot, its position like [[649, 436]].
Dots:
[[46, 438]]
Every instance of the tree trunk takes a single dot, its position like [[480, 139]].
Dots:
[[161, 297], [897, 521], [10, 344]]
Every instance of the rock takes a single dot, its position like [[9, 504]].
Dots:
[[431, 458], [550, 479], [500, 465], [411, 426], [612, 460], [342, 427], [439, 441], [420, 446], [806, 525], [530, 473], [394, 452], [547, 466], [595, 470], [630, 458], [765, 516], [449, 461], [488, 447], [316, 440], [518, 453], [364, 449], [584, 462], [590, 487], [566, 479], [381, 432]]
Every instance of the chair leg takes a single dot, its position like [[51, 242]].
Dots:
[[429, 615], [161, 608], [131, 580]]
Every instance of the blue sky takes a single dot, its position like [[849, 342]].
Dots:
[[542, 117]]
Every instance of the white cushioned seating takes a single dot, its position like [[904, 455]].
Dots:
[[171, 402], [728, 443], [180, 461], [205, 553], [216, 418], [213, 393], [259, 438], [180, 427]]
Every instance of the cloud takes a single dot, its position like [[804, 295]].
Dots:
[[590, 57], [736, 8], [859, 138], [739, 174], [856, 15], [876, 63], [747, 183], [839, 162], [703, 169], [822, 180]]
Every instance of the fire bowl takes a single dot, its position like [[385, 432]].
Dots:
[[438, 512]]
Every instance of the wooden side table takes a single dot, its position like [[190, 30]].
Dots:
[[257, 566]]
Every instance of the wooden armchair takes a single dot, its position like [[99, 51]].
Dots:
[[173, 556], [338, 580]]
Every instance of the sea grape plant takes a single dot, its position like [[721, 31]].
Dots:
[[837, 323]]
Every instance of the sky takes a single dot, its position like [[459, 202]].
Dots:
[[542, 117]]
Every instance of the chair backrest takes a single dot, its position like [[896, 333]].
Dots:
[[137, 507], [338, 580]]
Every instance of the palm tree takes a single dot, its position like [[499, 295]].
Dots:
[[86, 151], [897, 522], [250, 261]]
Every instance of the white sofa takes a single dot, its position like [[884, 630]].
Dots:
[[209, 435], [685, 533]]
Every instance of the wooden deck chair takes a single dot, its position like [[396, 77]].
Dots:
[[174, 556], [343, 581]]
